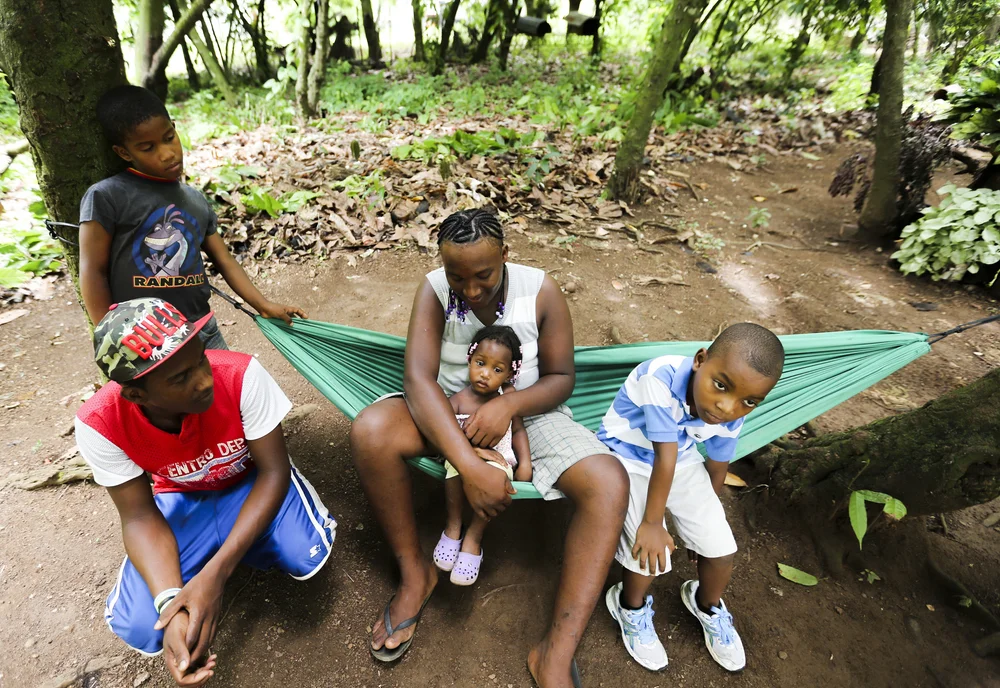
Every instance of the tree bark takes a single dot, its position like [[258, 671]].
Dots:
[[663, 64], [799, 46], [938, 458], [192, 73], [490, 27], [57, 97], [188, 19], [446, 28], [148, 39], [418, 30], [211, 63], [318, 68], [510, 12], [597, 44], [859, 36], [879, 214], [302, 55], [371, 34]]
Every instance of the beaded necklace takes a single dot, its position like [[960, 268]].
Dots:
[[457, 306]]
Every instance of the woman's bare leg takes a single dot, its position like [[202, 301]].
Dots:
[[598, 487], [382, 437]]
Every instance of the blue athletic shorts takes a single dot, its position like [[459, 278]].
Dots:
[[298, 542]]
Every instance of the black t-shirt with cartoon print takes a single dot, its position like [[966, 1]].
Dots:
[[157, 229]]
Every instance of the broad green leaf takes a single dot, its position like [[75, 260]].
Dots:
[[859, 517], [877, 497], [11, 277], [894, 509], [796, 575]]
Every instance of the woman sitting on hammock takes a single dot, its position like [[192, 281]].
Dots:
[[476, 288]]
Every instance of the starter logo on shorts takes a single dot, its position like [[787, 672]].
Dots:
[[313, 551], [165, 250]]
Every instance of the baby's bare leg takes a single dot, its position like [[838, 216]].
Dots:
[[472, 544], [454, 499]]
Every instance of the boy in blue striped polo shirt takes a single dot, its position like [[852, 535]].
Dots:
[[666, 406]]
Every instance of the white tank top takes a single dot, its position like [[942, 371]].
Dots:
[[523, 285]]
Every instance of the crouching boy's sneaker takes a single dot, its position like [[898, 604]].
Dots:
[[721, 638], [637, 630]]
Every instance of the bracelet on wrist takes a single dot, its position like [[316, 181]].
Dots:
[[161, 601]]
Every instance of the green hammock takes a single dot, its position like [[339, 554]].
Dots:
[[353, 367]]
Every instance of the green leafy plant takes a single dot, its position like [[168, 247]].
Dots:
[[261, 201], [369, 187], [26, 253], [759, 217], [856, 510], [871, 576], [975, 111], [960, 236]]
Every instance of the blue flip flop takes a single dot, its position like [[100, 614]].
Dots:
[[385, 655], [574, 673]]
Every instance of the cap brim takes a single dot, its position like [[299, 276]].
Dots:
[[196, 327]]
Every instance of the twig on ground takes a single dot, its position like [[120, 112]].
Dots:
[[486, 598], [944, 525]]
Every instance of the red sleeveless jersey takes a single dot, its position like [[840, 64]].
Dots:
[[209, 453]]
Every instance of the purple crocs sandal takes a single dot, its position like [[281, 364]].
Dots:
[[466, 569], [446, 552]]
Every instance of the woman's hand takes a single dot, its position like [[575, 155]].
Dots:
[[487, 426], [487, 489]]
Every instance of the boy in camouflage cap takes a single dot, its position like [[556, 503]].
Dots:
[[206, 428]]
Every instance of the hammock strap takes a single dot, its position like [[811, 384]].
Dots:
[[232, 302], [937, 337]]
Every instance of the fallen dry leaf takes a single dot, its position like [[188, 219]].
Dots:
[[10, 316], [735, 480], [617, 285]]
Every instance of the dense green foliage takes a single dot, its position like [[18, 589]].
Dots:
[[960, 236]]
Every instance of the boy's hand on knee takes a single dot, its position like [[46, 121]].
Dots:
[[653, 546], [177, 656]]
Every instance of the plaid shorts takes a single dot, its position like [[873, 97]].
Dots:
[[557, 442]]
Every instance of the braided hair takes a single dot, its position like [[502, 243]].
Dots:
[[469, 226], [505, 336]]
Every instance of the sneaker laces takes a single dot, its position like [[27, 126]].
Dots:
[[641, 622], [722, 623]]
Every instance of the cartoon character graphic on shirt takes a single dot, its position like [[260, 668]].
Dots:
[[166, 243], [213, 466], [166, 249]]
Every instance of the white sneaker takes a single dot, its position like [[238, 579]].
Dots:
[[637, 630], [721, 638]]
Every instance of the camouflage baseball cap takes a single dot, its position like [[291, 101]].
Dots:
[[138, 335]]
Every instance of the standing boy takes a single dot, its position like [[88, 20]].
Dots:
[[142, 231], [206, 427], [667, 405]]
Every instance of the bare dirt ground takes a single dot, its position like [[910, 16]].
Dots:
[[60, 548]]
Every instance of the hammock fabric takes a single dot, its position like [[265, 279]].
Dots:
[[353, 367]]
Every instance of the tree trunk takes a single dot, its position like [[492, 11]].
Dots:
[[493, 20], [371, 34], [57, 97], [302, 57], [158, 63], [934, 24], [938, 458], [879, 214], [192, 73], [597, 45], [722, 23], [574, 6], [318, 68], [418, 30], [211, 64], [258, 39], [664, 63], [510, 13], [859, 37], [446, 28], [148, 39], [799, 46]]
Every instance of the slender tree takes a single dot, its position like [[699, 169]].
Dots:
[[318, 68], [447, 25], [510, 14], [57, 97], [302, 56], [371, 34], [418, 30], [207, 56], [193, 80], [158, 62], [663, 65], [879, 214], [148, 39]]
